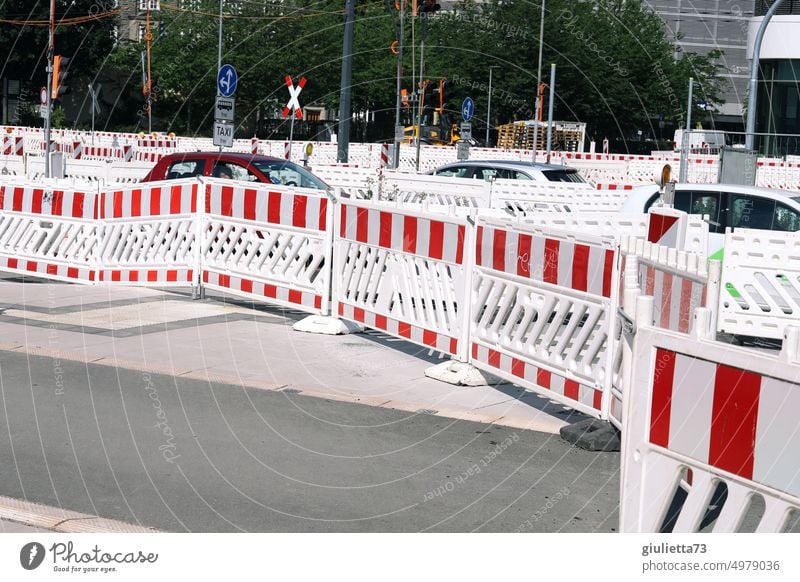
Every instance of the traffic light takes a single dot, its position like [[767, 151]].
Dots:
[[429, 7], [60, 65]]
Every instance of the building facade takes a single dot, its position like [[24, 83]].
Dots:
[[705, 25]]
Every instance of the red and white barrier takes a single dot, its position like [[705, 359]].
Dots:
[[47, 231], [148, 234], [404, 273], [705, 417], [13, 145], [269, 243], [542, 311]]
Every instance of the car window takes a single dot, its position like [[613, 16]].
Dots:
[[520, 176], [697, 203], [242, 173], [565, 175], [289, 174], [751, 212], [485, 173], [786, 219], [185, 169], [455, 171]]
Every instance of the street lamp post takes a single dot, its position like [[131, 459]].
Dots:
[[489, 106], [537, 113]]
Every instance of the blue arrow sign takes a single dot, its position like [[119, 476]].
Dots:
[[227, 80], [468, 109]]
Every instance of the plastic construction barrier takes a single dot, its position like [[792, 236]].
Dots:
[[404, 273], [269, 243], [710, 438], [542, 311], [148, 234], [760, 290], [47, 231]]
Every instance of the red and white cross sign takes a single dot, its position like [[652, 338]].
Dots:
[[294, 93]]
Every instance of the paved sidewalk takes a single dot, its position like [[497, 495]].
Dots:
[[228, 340]]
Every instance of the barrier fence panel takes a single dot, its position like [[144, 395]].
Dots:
[[415, 188], [710, 438], [147, 234], [269, 243], [760, 291], [47, 231], [543, 305], [404, 273]]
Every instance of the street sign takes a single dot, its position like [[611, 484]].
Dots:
[[462, 150], [468, 109], [227, 79], [294, 93], [224, 108], [466, 131], [44, 111], [223, 134], [399, 132], [43, 96]]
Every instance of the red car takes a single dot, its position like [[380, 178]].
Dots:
[[238, 166]]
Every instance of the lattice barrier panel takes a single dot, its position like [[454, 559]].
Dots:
[[269, 243], [404, 273], [148, 234], [542, 311], [48, 231], [710, 438], [760, 290]]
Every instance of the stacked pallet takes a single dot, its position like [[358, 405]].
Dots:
[[567, 136]]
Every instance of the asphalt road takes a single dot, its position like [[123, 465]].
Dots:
[[185, 455]]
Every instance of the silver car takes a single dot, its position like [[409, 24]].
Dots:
[[509, 170]]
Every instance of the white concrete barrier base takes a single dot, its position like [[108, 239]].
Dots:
[[327, 325], [461, 374]]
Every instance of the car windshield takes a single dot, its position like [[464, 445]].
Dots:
[[289, 174], [566, 175]]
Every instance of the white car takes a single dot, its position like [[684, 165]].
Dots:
[[509, 170], [727, 205]]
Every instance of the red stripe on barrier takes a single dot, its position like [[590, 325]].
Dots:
[[250, 196], [572, 389], [136, 203], [133, 276], [524, 255], [57, 206], [608, 269], [299, 211], [152, 276], [155, 201], [116, 276], [36, 202], [224, 281], [323, 214], [247, 286], [580, 267], [543, 378], [551, 261], [436, 240], [597, 400], [650, 281], [666, 300], [295, 296], [226, 201], [72, 272], [175, 200], [499, 250], [343, 222], [317, 302], [381, 322], [494, 358], [429, 338], [270, 291], [358, 314], [409, 234], [31, 266], [51, 269], [2, 197], [385, 233], [460, 245], [661, 408], [17, 201], [404, 330], [12, 263], [734, 420], [362, 224], [274, 208], [517, 368], [172, 276], [453, 345], [479, 247], [475, 351], [194, 198]]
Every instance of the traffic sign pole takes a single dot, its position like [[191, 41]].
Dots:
[[227, 82]]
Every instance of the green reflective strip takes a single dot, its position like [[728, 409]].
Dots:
[[718, 255], [732, 290]]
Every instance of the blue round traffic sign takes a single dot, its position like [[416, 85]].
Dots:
[[468, 109], [227, 80]]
